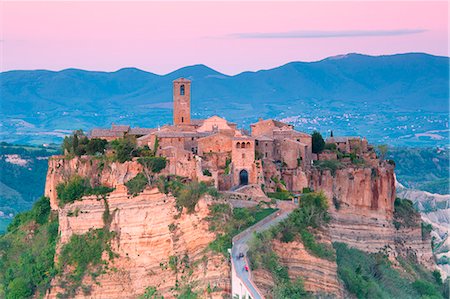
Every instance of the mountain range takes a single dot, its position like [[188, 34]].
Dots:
[[338, 93]]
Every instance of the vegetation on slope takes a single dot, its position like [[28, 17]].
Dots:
[[15, 196], [405, 216], [77, 187], [79, 144], [187, 193], [83, 254], [368, 275], [227, 223], [422, 168], [311, 214], [27, 252]]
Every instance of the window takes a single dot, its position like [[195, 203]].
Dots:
[[243, 145], [243, 156], [238, 145], [192, 138], [182, 90], [266, 155], [182, 119], [248, 144], [257, 142]]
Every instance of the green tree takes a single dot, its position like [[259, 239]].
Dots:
[[382, 150], [318, 144], [242, 217], [123, 149], [96, 145]]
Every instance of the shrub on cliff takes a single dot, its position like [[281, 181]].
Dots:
[[137, 184], [331, 165], [188, 196], [76, 188], [227, 222], [123, 149], [39, 213], [78, 144], [82, 253], [153, 164], [318, 144], [405, 216], [27, 253]]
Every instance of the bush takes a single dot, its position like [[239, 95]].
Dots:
[[426, 229], [151, 293], [207, 172], [371, 275], [330, 146], [153, 164], [96, 146], [227, 223], [78, 144], [123, 150], [39, 213], [404, 214], [81, 253], [76, 188], [188, 196], [318, 144], [137, 184], [426, 289], [281, 195], [332, 165], [27, 252]]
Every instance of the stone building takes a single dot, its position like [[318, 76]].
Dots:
[[214, 149]]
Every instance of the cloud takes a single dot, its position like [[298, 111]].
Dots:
[[325, 34]]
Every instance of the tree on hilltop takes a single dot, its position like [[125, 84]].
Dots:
[[318, 144]]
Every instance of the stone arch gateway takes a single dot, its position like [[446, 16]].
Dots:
[[243, 177]]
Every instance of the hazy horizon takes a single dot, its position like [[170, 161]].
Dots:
[[337, 56]]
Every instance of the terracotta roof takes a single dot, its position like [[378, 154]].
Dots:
[[141, 131], [243, 138], [277, 123], [99, 133], [180, 134], [120, 128], [342, 139], [197, 122]]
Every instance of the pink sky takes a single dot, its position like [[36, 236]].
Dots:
[[229, 37]]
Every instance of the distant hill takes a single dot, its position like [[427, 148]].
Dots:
[[36, 103]]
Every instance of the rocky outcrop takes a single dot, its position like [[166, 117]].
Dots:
[[98, 171], [364, 191], [361, 205], [318, 275], [434, 210], [148, 231]]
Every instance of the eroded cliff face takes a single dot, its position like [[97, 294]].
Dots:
[[111, 174], [147, 233], [361, 204]]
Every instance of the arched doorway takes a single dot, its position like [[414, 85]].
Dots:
[[243, 177]]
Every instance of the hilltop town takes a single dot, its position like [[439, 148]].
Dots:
[[217, 151]]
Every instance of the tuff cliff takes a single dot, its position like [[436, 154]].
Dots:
[[155, 245], [361, 206], [98, 171]]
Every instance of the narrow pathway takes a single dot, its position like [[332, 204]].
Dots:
[[241, 277]]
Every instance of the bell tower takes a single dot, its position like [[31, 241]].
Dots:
[[182, 101]]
